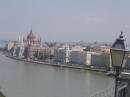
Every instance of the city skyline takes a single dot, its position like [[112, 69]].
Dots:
[[65, 20]]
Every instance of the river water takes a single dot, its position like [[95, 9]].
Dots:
[[22, 79]]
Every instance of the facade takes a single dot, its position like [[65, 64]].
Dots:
[[27, 48], [77, 57], [9, 46], [19, 52], [80, 57], [35, 46], [62, 55], [20, 47], [89, 58], [32, 45], [100, 60]]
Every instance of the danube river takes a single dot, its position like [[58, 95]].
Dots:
[[22, 79]]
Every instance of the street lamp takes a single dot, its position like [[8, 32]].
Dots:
[[118, 56]]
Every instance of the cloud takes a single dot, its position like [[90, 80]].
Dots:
[[97, 19]]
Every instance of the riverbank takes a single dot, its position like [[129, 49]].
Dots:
[[73, 66]]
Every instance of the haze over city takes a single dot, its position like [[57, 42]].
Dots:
[[65, 20], [64, 48]]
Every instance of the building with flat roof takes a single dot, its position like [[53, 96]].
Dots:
[[62, 55], [90, 58], [80, 57], [100, 60]]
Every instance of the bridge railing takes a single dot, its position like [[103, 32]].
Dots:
[[105, 93]]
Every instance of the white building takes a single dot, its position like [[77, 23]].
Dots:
[[10, 45], [20, 47], [20, 51], [89, 58], [100, 60], [62, 55], [80, 57]]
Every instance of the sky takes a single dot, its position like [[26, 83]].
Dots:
[[65, 20]]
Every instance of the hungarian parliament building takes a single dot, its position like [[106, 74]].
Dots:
[[29, 47]]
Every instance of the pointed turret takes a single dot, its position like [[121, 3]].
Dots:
[[31, 36]]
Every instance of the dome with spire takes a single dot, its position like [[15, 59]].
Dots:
[[31, 36]]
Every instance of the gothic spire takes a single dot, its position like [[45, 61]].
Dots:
[[31, 30]]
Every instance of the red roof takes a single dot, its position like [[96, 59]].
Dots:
[[31, 36]]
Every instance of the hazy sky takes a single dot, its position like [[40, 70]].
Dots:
[[65, 20]]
